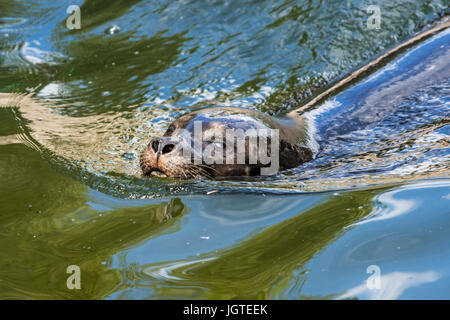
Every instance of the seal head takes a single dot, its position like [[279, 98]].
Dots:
[[224, 142]]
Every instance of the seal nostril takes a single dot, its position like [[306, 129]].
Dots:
[[167, 148], [155, 145]]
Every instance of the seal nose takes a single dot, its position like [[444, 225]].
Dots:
[[162, 145], [155, 145]]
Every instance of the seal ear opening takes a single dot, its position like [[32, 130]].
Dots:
[[254, 171]]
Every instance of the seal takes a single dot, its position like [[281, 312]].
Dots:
[[217, 142], [186, 152]]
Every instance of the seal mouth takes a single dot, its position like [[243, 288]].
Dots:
[[149, 167], [157, 173]]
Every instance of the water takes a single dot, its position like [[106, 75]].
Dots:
[[79, 105]]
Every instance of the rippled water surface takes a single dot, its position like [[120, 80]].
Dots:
[[78, 106]]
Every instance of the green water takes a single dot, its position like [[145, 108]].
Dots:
[[71, 192], [219, 246]]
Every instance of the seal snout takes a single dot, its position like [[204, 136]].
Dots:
[[156, 157]]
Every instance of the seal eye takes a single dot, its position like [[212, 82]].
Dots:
[[218, 144], [169, 131]]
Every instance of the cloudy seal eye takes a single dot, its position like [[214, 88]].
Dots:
[[217, 143]]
